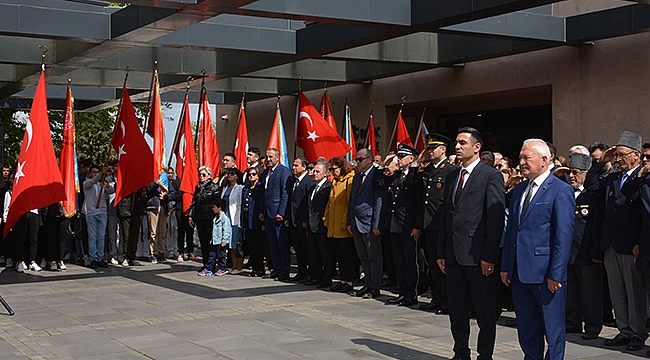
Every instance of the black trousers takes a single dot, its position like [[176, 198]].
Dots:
[[468, 282], [387, 252], [405, 255], [25, 237], [130, 230], [204, 228], [321, 256], [51, 231], [185, 235], [298, 237], [345, 253], [256, 240], [584, 298], [438, 279]]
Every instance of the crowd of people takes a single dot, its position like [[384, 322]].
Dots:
[[455, 226]]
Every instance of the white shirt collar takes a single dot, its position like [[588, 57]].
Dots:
[[436, 165], [471, 166], [540, 179]]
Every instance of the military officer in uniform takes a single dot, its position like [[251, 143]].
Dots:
[[404, 192], [434, 167]]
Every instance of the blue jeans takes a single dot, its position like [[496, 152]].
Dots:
[[218, 257], [96, 233]]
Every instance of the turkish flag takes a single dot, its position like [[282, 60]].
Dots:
[[316, 137], [135, 160], [38, 180], [68, 160], [400, 134], [241, 142], [326, 110], [371, 139], [186, 160], [208, 147], [156, 129], [420, 137]]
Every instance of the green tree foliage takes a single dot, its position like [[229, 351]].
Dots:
[[14, 130]]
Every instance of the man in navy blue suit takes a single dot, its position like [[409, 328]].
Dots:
[[276, 179], [364, 210], [538, 237]]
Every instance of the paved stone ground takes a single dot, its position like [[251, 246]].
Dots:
[[165, 311]]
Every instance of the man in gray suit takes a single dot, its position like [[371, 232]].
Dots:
[[364, 209], [470, 231]]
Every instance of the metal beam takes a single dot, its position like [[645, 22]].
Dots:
[[520, 24], [412, 48], [456, 49], [608, 23]]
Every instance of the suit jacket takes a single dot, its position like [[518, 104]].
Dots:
[[471, 230], [276, 193], [317, 207], [365, 204], [434, 183], [403, 201], [298, 212], [622, 219], [644, 240], [590, 208], [252, 206], [541, 241]]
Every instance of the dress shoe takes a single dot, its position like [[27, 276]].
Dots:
[[618, 340], [324, 285], [511, 322], [296, 278], [362, 291], [282, 277], [588, 336], [395, 301], [635, 344], [573, 331], [408, 302], [345, 288], [272, 275], [430, 307], [442, 311], [459, 358], [388, 283], [336, 287], [371, 294], [305, 279], [312, 281]]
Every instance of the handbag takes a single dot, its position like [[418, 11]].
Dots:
[[242, 247]]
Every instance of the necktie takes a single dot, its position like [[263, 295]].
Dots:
[[363, 176], [313, 193], [296, 183], [529, 196], [622, 181], [459, 188]]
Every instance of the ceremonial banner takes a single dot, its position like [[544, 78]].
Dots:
[[348, 135], [185, 154], [400, 134], [156, 129], [38, 181], [208, 147], [241, 142], [278, 139], [68, 160], [326, 110], [371, 139]]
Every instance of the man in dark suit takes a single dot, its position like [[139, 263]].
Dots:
[[471, 226], [620, 239], [276, 179], [642, 257], [536, 252], [585, 272], [319, 247], [298, 216], [403, 205], [434, 169], [364, 210]]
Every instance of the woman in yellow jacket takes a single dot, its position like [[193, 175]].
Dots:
[[335, 219]]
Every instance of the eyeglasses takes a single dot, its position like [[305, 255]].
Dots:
[[619, 155], [576, 172], [252, 174], [334, 168], [203, 175], [360, 159], [498, 166], [645, 157]]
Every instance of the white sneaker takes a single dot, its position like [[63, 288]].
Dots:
[[20, 267], [10, 263], [114, 262], [43, 264], [125, 263], [62, 266], [34, 267], [235, 272], [180, 258], [53, 265]]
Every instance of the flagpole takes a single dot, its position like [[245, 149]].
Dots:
[[153, 77], [198, 118], [295, 132], [108, 155], [180, 121], [345, 107], [368, 126]]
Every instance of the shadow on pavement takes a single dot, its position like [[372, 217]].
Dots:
[[394, 351]]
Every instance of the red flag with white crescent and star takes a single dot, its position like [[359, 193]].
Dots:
[[38, 180], [135, 159], [314, 135], [186, 167]]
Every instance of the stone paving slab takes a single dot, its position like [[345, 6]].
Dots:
[[165, 311]]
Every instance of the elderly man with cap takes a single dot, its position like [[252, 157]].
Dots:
[[434, 169], [403, 206], [584, 296], [620, 235]]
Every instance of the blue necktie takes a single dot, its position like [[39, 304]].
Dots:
[[622, 181]]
